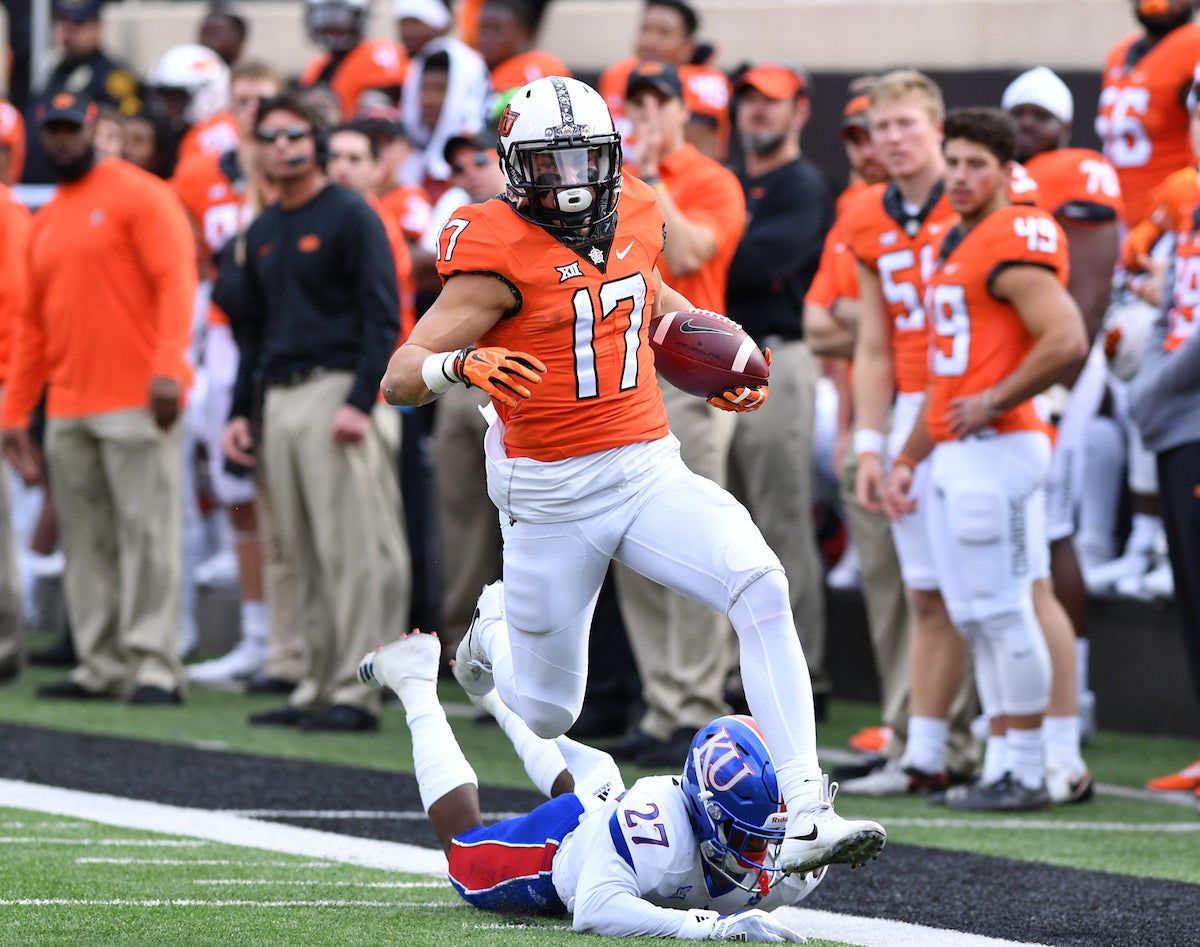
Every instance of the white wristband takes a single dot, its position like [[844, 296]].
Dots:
[[867, 441], [437, 371]]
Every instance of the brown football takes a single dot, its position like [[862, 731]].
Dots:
[[703, 352]]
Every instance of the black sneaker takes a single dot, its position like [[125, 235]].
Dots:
[[285, 716], [872, 764], [149, 695], [269, 685], [341, 718], [1006, 794]]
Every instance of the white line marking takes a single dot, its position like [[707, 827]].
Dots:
[[1046, 825], [203, 862], [1148, 795], [141, 842], [200, 903], [366, 814], [391, 856], [399, 885]]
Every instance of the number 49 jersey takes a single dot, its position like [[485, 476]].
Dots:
[[583, 312], [977, 339]]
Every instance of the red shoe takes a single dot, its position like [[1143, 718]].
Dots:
[[871, 739], [1186, 780]]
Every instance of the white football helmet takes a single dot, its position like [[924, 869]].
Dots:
[[1125, 335], [561, 155], [199, 72], [336, 25]]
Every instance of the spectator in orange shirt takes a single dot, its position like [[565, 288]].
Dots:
[[350, 64], [15, 223], [113, 283], [507, 29]]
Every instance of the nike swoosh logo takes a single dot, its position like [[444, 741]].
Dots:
[[810, 837], [688, 326], [621, 254]]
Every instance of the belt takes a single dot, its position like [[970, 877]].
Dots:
[[298, 377]]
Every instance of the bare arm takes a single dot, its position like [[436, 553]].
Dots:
[[1093, 250], [689, 245], [668, 299], [825, 331], [468, 306]]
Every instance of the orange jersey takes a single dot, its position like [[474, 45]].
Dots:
[[877, 236], [524, 67], [706, 93], [12, 133], [409, 206], [15, 224], [708, 194], [113, 286], [1077, 184], [584, 314], [372, 64], [1177, 206], [977, 339], [1142, 120], [404, 267], [1176, 193], [215, 136], [837, 273]]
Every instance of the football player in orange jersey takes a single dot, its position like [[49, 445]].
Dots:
[[1142, 120], [1081, 189], [189, 87], [893, 230], [350, 63], [549, 291], [1003, 329]]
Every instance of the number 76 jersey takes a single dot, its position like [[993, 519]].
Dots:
[[583, 311], [977, 339]]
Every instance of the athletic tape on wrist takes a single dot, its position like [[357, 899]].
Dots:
[[437, 371], [867, 441]]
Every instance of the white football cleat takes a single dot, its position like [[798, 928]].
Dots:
[[1065, 785], [413, 657], [246, 660], [816, 836], [472, 663]]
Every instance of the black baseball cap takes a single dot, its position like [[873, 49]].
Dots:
[[481, 140], [77, 11], [67, 107], [655, 74]]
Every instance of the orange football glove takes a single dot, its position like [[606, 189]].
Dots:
[[740, 398], [499, 372]]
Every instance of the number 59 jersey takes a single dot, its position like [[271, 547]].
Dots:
[[583, 311], [977, 339]]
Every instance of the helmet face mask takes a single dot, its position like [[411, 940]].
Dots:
[[734, 802], [561, 156], [335, 25], [196, 77]]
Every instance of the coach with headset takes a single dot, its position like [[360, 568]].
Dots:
[[320, 318]]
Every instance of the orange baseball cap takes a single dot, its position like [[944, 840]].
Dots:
[[854, 115], [775, 81]]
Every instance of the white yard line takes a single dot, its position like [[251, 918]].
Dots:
[[1047, 825], [363, 814], [392, 856], [398, 885], [203, 903], [202, 862]]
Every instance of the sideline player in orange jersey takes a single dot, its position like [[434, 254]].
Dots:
[[549, 291], [1081, 189], [350, 64], [1142, 120], [189, 87], [507, 29], [893, 232], [1003, 328]]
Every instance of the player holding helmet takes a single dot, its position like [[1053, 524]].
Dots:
[[694, 857], [548, 293]]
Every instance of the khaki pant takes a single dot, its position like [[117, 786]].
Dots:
[[339, 520], [12, 621], [287, 656], [469, 543], [683, 650], [771, 472], [116, 484]]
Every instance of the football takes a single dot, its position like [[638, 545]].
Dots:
[[703, 352]]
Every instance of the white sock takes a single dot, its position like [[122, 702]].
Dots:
[[254, 620], [926, 748], [1025, 756], [1144, 532], [437, 759], [995, 759], [542, 758], [1083, 650], [1061, 735]]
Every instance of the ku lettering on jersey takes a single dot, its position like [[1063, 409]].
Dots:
[[583, 311], [975, 338], [1142, 120], [900, 248], [1077, 184], [372, 64]]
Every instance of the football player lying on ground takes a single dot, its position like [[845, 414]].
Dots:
[[689, 856]]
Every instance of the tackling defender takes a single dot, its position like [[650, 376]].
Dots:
[[548, 293], [692, 856]]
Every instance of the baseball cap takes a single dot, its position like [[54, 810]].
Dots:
[[1040, 87], [660, 76], [382, 118], [775, 81], [854, 115], [481, 140], [67, 107], [77, 11]]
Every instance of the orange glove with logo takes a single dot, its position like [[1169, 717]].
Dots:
[[742, 398], [499, 372]]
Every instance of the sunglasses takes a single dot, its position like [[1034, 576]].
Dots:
[[478, 160], [270, 135]]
